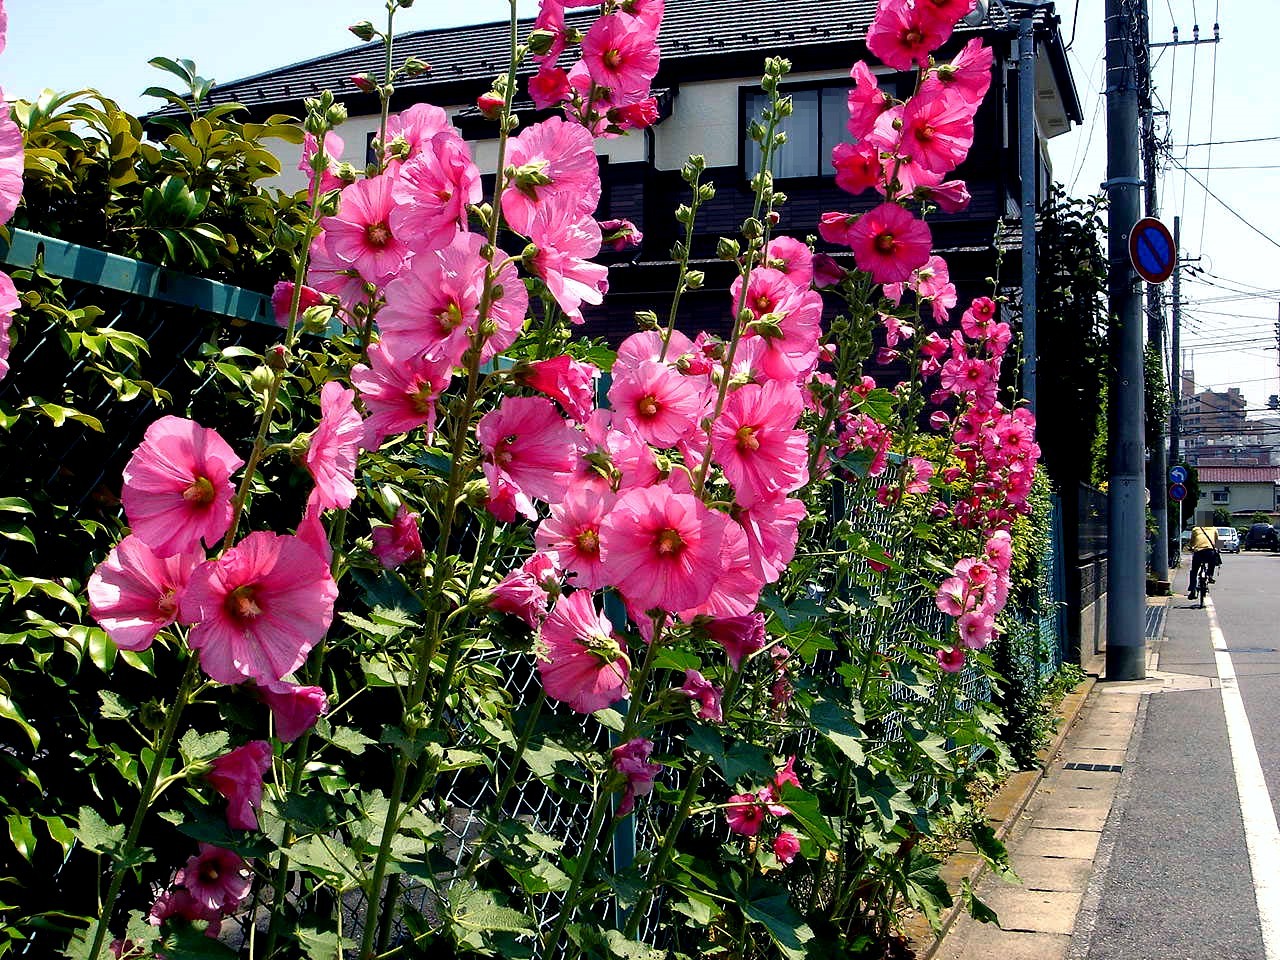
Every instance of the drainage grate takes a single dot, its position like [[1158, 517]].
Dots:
[[1094, 767]]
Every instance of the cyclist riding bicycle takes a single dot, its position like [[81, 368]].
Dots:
[[1204, 550]]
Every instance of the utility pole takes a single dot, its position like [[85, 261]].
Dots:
[[1175, 346], [1028, 140], [1157, 466], [1127, 514]]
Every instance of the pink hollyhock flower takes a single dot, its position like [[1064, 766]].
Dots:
[[282, 300], [948, 11], [506, 500], [434, 306], [737, 589], [294, 709], [786, 846], [662, 405], [565, 241], [619, 235], [217, 879], [410, 131], [12, 160], [631, 759], [835, 227], [858, 167], [400, 542], [999, 550], [772, 528], [621, 55], [178, 902], [567, 381], [399, 393], [553, 162], [919, 472], [951, 659], [866, 101], [951, 197], [792, 258], [329, 179], [177, 486], [551, 20], [745, 814], [259, 608], [937, 130], [549, 86], [938, 420], [523, 592], [238, 777], [705, 694], [755, 441], [360, 233], [572, 535], [9, 304], [662, 549], [888, 242], [647, 345], [432, 193], [976, 629], [531, 444], [133, 594], [788, 322], [740, 636], [648, 12], [615, 455], [311, 529], [332, 451], [954, 596], [827, 272], [582, 665], [903, 34], [330, 275], [635, 116], [969, 73]]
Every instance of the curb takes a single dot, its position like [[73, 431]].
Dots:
[[1002, 814]]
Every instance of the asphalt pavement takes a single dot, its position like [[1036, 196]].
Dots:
[[1174, 879]]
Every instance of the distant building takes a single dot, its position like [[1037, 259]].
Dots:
[[1241, 491]]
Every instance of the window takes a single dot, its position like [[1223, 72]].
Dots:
[[1222, 496], [818, 121]]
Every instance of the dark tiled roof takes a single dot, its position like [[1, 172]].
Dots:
[[473, 54]]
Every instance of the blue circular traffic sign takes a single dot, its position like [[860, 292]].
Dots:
[[1177, 491], [1151, 250], [1178, 475]]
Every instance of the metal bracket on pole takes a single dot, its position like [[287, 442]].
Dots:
[[1123, 182]]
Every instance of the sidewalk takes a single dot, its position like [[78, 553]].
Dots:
[[1058, 843]]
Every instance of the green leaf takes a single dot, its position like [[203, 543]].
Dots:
[[322, 944], [836, 724], [24, 841], [786, 927], [96, 834], [992, 850], [977, 908], [11, 711], [15, 505], [200, 747], [114, 706], [806, 809], [479, 910], [349, 740]]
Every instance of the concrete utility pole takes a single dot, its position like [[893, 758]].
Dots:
[[1028, 140], [1157, 466], [1175, 346], [1126, 528]]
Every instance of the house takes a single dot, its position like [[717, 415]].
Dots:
[[713, 54], [1241, 491]]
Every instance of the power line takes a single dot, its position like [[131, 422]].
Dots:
[[1213, 103], [1226, 206], [1222, 143]]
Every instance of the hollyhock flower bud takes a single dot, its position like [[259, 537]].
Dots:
[[740, 636], [549, 86], [826, 272], [786, 775], [835, 227], [294, 709], [631, 759], [364, 82], [400, 542], [705, 694], [786, 846], [177, 490], [620, 234], [523, 591], [282, 299], [238, 777], [364, 30], [569, 382], [582, 663]]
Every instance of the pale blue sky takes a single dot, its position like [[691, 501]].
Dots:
[[67, 44]]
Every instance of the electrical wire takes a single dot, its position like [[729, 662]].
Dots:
[[1231, 210], [1213, 103]]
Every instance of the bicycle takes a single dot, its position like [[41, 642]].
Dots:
[[1202, 583]]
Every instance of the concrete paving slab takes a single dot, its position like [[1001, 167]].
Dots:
[[1053, 842], [1059, 874], [1036, 911], [987, 941]]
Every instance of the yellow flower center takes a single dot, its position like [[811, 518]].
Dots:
[[242, 604], [669, 542], [200, 492]]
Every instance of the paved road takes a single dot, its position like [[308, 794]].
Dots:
[[1179, 884]]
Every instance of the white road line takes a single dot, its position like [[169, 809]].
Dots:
[[1261, 834]]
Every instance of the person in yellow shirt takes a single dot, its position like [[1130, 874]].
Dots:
[[1204, 548]]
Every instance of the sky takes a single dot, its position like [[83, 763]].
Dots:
[[1211, 93]]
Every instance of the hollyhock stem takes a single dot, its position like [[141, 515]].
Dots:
[[384, 94], [683, 272], [174, 715], [431, 636]]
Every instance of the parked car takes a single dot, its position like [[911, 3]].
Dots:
[[1228, 540], [1262, 536]]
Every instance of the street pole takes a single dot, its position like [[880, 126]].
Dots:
[[1126, 528], [1157, 465], [1175, 348], [1027, 149]]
